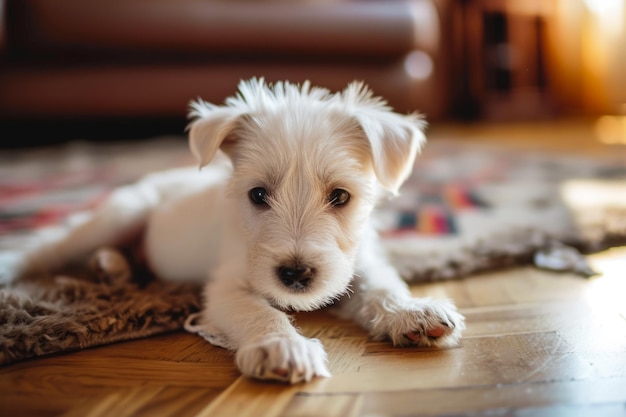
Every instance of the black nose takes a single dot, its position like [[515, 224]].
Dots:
[[295, 277]]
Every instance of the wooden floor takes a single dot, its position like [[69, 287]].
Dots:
[[537, 343]]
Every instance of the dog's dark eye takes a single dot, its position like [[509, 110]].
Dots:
[[258, 196], [338, 197]]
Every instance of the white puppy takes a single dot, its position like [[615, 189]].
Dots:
[[277, 221]]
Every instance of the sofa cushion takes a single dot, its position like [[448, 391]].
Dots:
[[201, 27]]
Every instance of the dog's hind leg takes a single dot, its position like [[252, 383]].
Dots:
[[110, 266], [119, 219]]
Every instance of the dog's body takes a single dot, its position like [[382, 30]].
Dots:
[[280, 222]]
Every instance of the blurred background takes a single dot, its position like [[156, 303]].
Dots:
[[125, 69]]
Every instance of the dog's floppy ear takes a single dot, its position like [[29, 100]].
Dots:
[[394, 139], [210, 129]]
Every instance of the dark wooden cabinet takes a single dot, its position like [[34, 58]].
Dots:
[[499, 67]]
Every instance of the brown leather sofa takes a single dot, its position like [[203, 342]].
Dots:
[[148, 58]]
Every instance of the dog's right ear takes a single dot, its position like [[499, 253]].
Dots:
[[211, 129]]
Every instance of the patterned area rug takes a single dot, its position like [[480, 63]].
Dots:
[[467, 208]]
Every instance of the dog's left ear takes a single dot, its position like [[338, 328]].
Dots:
[[394, 139], [211, 129]]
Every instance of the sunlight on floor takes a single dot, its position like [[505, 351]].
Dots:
[[606, 294]]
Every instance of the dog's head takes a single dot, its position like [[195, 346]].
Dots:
[[308, 169]]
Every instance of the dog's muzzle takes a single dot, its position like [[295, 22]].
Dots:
[[296, 277]]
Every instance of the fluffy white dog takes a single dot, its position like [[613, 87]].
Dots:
[[278, 220]]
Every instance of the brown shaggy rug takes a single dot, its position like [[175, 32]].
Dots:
[[54, 314], [468, 208]]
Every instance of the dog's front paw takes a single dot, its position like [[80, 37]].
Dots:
[[418, 321], [283, 358]]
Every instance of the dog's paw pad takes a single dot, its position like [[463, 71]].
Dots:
[[283, 358], [419, 322], [436, 332], [416, 336]]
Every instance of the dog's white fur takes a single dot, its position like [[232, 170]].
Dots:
[[300, 144]]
